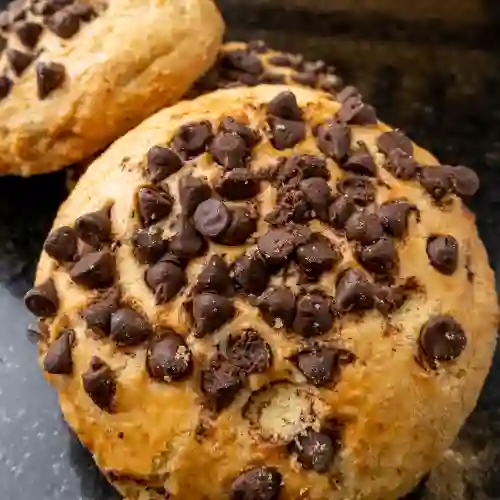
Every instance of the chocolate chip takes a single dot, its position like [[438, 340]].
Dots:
[[291, 205], [5, 86], [308, 79], [389, 141], [193, 139], [162, 162], [230, 125], [340, 211], [166, 280], [313, 316], [318, 194], [42, 300], [358, 188], [302, 167], [465, 181], [250, 273], [94, 270], [281, 60], [192, 191], [154, 205], [238, 184], [61, 244], [276, 246], [94, 228], [272, 78], [211, 218], [38, 332], [360, 161], [284, 105], [243, 224], [258, 46], [353, 291], [210, 312], [242, 60], [29, 33], [381, 257], [443, 253], [442, 339], [355, 112], [249, 352], [18, 60], [348, 92], [214, 276], [259, 483], [98, 315], [99, 383], [148, 244], [168, 357], [187, 242], [63, 23], [50, 6], [85, 12], [334, 140], [278, 305], [401, 165], [58, 359], [128, 327], [390, 298], [317, 257], [393, 216], [229, 150], [315, 450], [436, 181], [220, 384], [364, 226], [286, 133], [316, 67]]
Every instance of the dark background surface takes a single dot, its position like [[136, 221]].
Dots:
[[433, 70]]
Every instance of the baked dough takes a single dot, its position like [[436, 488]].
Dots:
[[77, 76], [266, 294]]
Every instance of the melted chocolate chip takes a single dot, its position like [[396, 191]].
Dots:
[[308, 79], [42, 300], [390, 141], [442, 339], [192, 192], [302, 167], [214, 276], [443, 253], [210, 312], [340, 210], [286, 133], [317, 257], [355, 112], [359, 189], [313, 316], [249, 352], [220, 384], [168, 357], [61, 244], [94, 270], [276, 246], [229, 150], [162, 162], [149, 245], [99, 383], [243, 224], [334, 140], [278, 305], [5, 86], [315, 450], [317, 192], [29, 33], [353, 292], [63, 23], [187, 242], [98, 315], [230, 125], [291, 205], [401, 165], [94, 228], [238, 184], [391, 298], [154, 205], [58, 360], [380, 257], [465, 181], [260, 483], [18, 60], [242, 60], [166, 280], [128, 327], [436, 181], [364, 227], [393, 216], [193, 139], [211, 218], [285, 106], [250, 273], [360, 161]]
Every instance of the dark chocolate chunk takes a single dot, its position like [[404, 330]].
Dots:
[[99, 383], [278, 305], [380, 257], [276, 246], [187, 243], [242, 60], [168, 358], [364, 226], [192, 191], [94, 228], [465, 181], [353, 291], [442, 339], [393, 216], [128, 327], [258, 46], [166, 280], [249, 352], [58, 359], [162, 162], [214, 276], [98, 315], [260, 483], [192, 139], [308, 79], [61, 244], [272, 78], [154, 205], [42, 300], [302, 167], [63, 23], [229, 150], [315, 450], [285, 106], [318, 194], [211, 218], [360, 161], [389, 141], [291, 205], [250, 273], [355, 112], [286, 133], [29, 33], [435, 180], [210, 312], [18, 60], [230, 125], [313, 316], [443, 253], [238, 184], [401, 165], [94, 270], [243, 224], [5, 86], [148, 244], [220, 383], [334, 140], [359, 189], [340, 211], [317, 256]]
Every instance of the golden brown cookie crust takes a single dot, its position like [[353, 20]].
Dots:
[[395, 416], [118, 72]]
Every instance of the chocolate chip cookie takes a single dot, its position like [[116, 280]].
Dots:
[[266, 294], [75, 75]]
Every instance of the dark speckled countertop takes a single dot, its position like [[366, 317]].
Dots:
[[433, 70]]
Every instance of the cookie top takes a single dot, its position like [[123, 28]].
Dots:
[[61, 60], [265, 294]]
